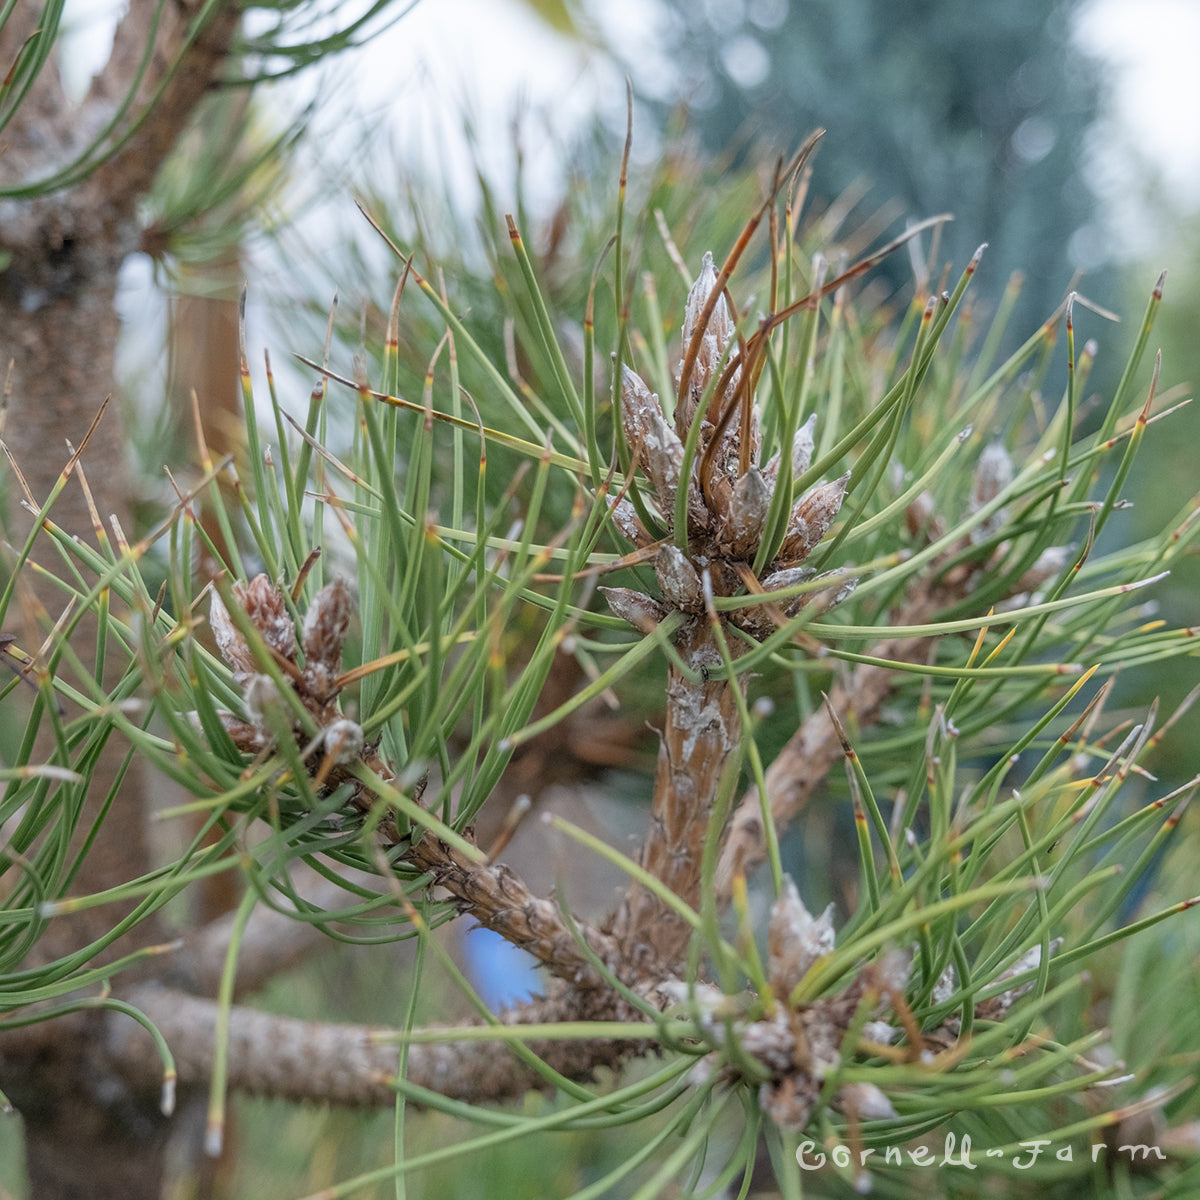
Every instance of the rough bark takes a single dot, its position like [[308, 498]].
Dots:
[[500, 901], [67, 247], [89, 1132], [353, 1064], [702, 727]]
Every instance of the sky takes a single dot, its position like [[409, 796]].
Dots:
[[1150, 47]]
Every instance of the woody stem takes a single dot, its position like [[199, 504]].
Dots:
[[702, 729]]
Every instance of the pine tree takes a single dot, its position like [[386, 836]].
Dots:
[[930, 106], [846, 564]]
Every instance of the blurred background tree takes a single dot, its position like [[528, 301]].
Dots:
[[931, 105]]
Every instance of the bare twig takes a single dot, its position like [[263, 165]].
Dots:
[[815, 748]]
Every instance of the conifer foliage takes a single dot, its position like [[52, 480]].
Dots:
[[861, 562]]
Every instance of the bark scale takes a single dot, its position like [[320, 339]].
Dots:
[[702, 727]]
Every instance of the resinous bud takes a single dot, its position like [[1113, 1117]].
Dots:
[[260, 695], [748, 512], [716, 336], [789, 577], [662, 460], [625, 518], [720, 323], [810, 520], [326, 624], [638, 402], [678, 579], [264, 604], [866, 1101], [639, 610], [228, 637], [795, 939], [997, 1007], [804, 444], [344, 739], [756, 620], [820, 601]]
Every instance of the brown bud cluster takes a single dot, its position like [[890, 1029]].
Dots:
[[314, 679], [805, 1043], [795, 939], [325, 627], [728, 493], [264, 605]]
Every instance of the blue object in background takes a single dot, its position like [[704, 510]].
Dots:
[[502, 974]]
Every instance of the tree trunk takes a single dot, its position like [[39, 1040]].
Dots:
[[89, 1133]]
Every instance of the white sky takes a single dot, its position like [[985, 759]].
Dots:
[[1153, 46], [491, 58], [1145, 164], [495, 57]]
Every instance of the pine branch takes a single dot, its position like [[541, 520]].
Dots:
[[813, 750], [702, 727], [270, 943], [499, 900], [353, 1064]]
